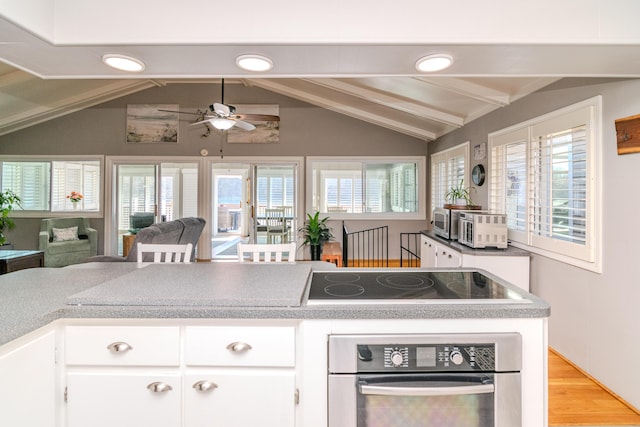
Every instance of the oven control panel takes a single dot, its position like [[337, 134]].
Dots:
[[426, 358]]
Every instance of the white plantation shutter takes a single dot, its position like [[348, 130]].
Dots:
[[30, 181], [542, 176], [508, 181], [448, 168], [91, 187], [189, 192]]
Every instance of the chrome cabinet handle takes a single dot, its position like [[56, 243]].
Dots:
[[205, 386], [119, 347], [238, 347], [159, 387]]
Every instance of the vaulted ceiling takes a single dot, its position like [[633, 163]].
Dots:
[[50, 57]]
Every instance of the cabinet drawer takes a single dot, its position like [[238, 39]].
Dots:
[[240, 346], [122, 345]]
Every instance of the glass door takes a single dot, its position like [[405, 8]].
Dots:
[[150, 193], [230, 211], [274, 190], [241, 194]]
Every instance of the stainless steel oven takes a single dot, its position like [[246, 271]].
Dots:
[[453, 380]]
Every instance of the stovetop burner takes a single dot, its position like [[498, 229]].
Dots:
[[405, 286]]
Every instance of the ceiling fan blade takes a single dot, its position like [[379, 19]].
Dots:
[[199, 122], [257, 117], [244, 125]]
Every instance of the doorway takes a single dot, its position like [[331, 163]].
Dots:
[[241, 195], [151, 192]]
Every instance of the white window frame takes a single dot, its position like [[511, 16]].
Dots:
[[420, 213], [98, 213], [589, 255], [439, 189]]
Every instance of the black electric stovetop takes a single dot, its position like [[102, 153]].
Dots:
[[405, 287]]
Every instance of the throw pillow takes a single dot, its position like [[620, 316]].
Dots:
[[65, 234]]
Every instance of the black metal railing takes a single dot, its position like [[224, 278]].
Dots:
[[365, 248], [410, 249]]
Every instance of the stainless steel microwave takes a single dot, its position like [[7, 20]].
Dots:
[[445, 222]]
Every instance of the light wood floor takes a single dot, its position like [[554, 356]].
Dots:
[[577, 400]]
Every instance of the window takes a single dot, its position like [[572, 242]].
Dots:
[[367, 189], [448, 168], [43, 185], [542, 177]]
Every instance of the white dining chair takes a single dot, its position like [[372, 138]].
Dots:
[[165, 253], [267, 253], [277, 225]]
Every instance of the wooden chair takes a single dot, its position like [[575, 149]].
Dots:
[[166, 253], [276, 225], [267, 253]]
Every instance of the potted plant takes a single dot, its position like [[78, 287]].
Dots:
[[315, 232], [459, 194], [8, 202]]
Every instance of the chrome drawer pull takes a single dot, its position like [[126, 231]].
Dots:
[[119, 347], [204, 386], [239, 347], [159, 387]]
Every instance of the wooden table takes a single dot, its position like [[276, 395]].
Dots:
[[127, 243], [20, 260]]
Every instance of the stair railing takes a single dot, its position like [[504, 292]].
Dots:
[[365, 248], [410, 249]]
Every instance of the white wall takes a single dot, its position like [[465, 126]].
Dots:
[[595, 319]]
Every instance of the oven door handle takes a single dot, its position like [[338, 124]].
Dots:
[[426, 391]]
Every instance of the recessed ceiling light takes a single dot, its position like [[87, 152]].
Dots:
[[433, 63], [254, 63], [124, 63]]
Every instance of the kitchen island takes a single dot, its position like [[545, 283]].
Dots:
[[176, 311]]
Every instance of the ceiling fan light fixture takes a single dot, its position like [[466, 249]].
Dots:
[[432, 63], [222, 123], [123, 63], [254, 62]]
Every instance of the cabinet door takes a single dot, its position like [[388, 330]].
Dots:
[[427, 253], [240, 397], [448, 258], [123, 399], [27, 384]]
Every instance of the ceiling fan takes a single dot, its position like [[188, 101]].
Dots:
[[223, 116]]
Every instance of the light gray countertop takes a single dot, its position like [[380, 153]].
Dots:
[[30, 299], [458, 247]]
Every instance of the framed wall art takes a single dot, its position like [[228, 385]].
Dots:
[[264, 133], [148, 123]]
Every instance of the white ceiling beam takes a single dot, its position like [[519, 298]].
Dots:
[[331, 104], [73, 103], [390, 101], [469, 89]]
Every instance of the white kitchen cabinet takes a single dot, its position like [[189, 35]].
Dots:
[[239, 397], [27, 382], [428, 253], [240, 376], [180, 375], [122, 375], [123, 398], [448, 258], [511, 267]]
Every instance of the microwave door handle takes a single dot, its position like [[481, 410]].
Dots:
[[426, 391]]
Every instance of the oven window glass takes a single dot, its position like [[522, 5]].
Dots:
[[472, 410], [426, 400]]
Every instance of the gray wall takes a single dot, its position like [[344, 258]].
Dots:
[[305, 130], [594, 319]]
